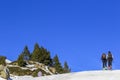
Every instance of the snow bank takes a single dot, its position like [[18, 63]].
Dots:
[[86, 75]]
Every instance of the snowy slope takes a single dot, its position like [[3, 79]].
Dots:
[[86, 75]]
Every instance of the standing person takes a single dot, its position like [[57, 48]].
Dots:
[[104, 61], [109, 59]]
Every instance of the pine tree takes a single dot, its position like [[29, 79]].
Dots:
[[57, 65], [26, 53], [66, 67], [21, 61], [46, 58], [24, 57], [36, 55], [2, 60]]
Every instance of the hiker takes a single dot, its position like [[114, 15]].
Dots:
[[104, 60], [109, 60]]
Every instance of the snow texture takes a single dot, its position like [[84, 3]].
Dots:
[[85, 75], [8, 61]]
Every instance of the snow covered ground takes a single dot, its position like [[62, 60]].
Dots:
[[8, 61], [85, 75]]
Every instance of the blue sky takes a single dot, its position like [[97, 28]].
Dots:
[[78, 31]]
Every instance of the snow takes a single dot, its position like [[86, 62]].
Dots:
[[85, 75], [33, 69], [30, 66], [47, 70], [8, 61]]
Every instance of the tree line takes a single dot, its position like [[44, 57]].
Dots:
[[42, 55]]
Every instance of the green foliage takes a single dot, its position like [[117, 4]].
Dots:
[[46, 58], [66, 67], [35, 73], [41, 55], [24, 56], [57, 65], [19, 72], [36, 55], [21, 61], [26, 53], [2, 60]]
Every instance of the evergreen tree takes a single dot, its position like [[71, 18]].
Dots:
[[40, 54], [2, 60], [57, 65], [46, 58], [36, 55], [66, 67], [26, 53], [23, 57], [21, 61]]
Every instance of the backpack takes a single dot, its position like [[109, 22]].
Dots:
[[103, 56], [110, 56]]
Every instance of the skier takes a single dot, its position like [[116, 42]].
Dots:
[[104, 61], [109, 60]]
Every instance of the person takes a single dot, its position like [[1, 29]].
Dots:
[[109, 60], [104, 60]]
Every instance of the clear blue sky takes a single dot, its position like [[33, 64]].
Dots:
[[79, 31]]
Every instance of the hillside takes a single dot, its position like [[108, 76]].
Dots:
[[85, 75], [32, 68]]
